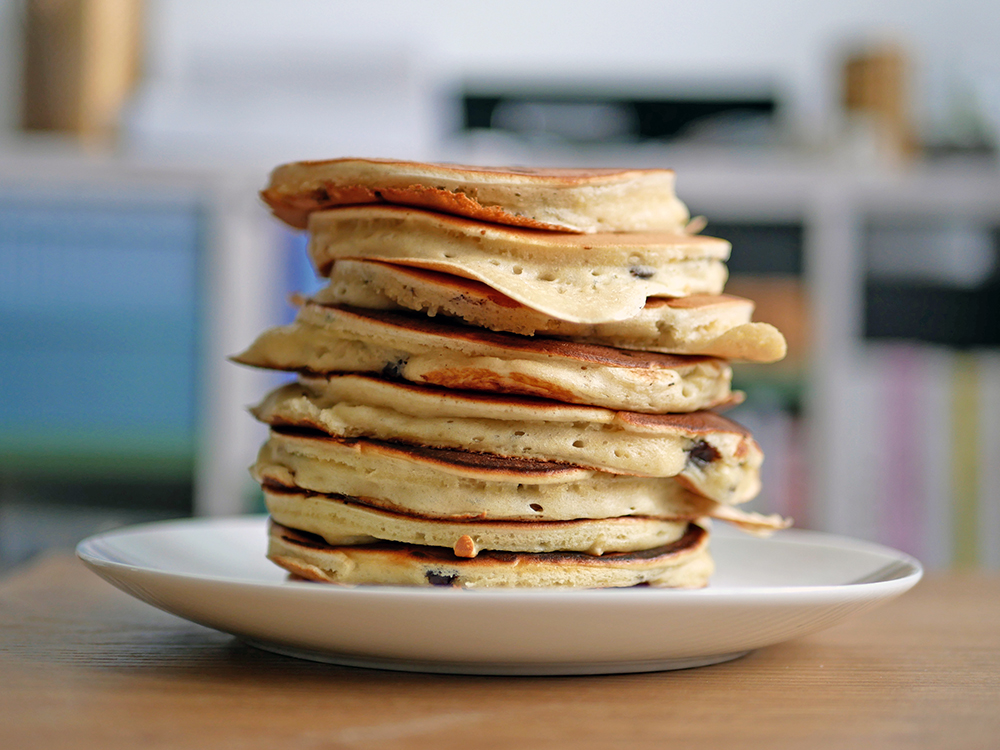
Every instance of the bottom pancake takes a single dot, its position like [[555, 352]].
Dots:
[[685, 563]]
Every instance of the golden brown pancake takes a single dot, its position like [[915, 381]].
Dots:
[[350, 521], [714, 456], [685, 563], [568, 200], [580, 278], [461, 485], [715, 325], [325, 339]]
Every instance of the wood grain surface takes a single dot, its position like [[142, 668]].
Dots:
[[84, 666]]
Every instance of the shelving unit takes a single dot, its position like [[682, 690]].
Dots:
[[126, 286], [901, 436], [841, 402]]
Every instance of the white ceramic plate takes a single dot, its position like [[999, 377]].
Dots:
[[213, 572]]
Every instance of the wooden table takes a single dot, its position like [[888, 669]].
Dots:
[[83, 666]]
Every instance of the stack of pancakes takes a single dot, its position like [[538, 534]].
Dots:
[[509, 380]]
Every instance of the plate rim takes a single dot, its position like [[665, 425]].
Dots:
[[96, 561]]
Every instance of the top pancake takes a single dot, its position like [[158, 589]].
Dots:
[[567, 200]]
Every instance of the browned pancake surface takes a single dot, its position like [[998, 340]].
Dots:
[[698, 422], [695, 536], [483, 465], [294, 206], [595, 353]]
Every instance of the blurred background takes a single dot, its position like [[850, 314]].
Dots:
[[848, 150]]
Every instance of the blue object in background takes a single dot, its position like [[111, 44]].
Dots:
[[300, 277], [99, 318]]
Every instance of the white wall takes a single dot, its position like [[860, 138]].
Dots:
[[794, 43]]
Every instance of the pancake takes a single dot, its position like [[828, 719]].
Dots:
[[569, 200], [592, 278], [458, 485], [326, 339], [348, 521], [685, 563], [719, 326], [710, 454]]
